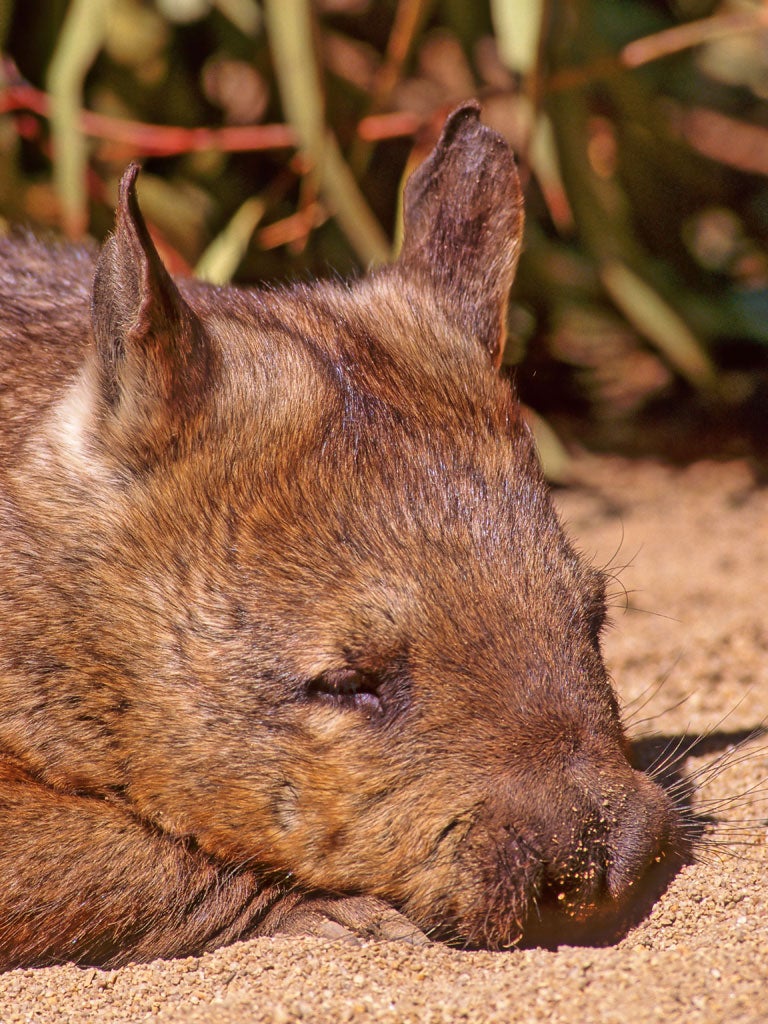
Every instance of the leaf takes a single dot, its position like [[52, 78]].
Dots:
[[518, 26], [289, 25], [225, 253], [655, 318]]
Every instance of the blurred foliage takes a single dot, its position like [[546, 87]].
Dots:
[[276, 135]]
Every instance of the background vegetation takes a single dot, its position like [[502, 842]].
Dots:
[[276, 135]]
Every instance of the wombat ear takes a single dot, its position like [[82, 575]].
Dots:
[[152, 352], [463, 224]]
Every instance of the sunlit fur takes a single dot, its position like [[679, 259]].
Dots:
[[215, 502]]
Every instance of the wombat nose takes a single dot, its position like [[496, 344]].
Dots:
[[640, 838], [621, 836], [595, 884]]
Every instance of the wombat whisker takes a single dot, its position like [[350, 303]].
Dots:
[[673, 753], [737, 826], [702, 825], [717, 805], [614, 602], [708, 855], [707, 774], [733, 755], [711, 730], [613, 574], [705, 816], [647, 694], [704, 809], [733, 848], [617, 598], [610, 568], [680, 753], [651, 611], [621, 587], [635, 723], [755, 733]]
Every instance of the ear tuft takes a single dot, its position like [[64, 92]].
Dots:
[[463, 224]]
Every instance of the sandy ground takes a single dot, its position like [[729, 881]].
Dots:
[[697, 618]]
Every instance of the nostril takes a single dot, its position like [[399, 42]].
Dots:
[[629, 863], [576, 887], [573, 876], [639, 841]]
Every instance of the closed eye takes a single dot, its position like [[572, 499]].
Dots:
[[347, 688]]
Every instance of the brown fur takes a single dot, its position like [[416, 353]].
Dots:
[[290, 631]]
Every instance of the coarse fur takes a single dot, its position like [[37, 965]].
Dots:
[[291, 634]]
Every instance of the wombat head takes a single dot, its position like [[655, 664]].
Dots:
[[351, 642]]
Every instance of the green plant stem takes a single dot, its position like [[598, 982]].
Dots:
[[289, 25], [81, 38], [601, 213]]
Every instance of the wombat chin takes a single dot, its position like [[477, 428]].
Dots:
[[291, 633]]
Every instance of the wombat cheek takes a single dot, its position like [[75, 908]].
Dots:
[[285, 810], [314, 822]]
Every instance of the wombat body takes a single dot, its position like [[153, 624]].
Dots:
[[289, 631]]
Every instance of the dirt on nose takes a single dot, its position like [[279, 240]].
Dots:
[[575, 867]]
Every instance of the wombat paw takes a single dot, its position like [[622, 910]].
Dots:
[[350, 918]]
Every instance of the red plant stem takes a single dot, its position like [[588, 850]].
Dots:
[[724, 139], [156, 140], [692, 33], [658, 45], [376, 127]]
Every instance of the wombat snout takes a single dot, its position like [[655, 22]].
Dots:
[[570, 858]]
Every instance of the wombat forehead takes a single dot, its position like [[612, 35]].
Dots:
[[377, 344], [418, 547], [374, 416], [377, 431]]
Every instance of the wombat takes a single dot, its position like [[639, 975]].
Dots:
[[292, 638]]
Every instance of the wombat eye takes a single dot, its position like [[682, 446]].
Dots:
[[347, 688]]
